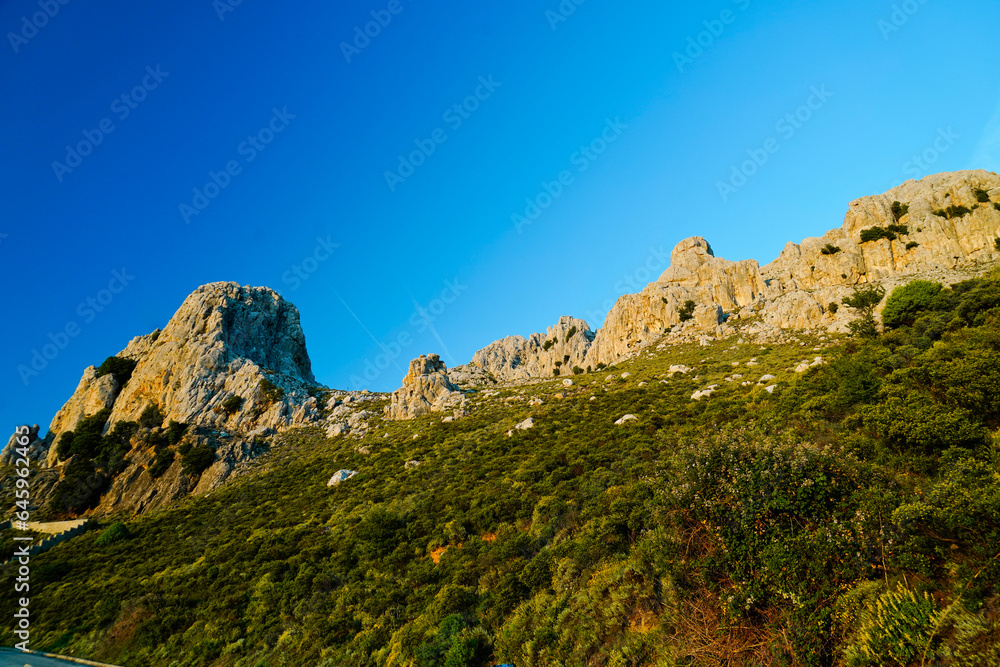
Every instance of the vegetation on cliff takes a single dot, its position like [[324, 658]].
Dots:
[[851, 515]]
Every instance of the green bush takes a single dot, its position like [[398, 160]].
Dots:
[[875, 233], [911, 245], [577, 370], [161, 462], [864, 300], [982, 196], [151, 417], [120, 367], [232, 405], [197, 459], [907, 301], [899, 210], [64, 445], [572, 332], [116, 532], [175, 431], [952, 212], [907, 420], [272, 392], [86, 441], [830, 249], [833, 307], [548, 344], [687, 311], [896, 630], [996, 242]]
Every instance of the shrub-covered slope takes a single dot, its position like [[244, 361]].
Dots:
[[844, 511]]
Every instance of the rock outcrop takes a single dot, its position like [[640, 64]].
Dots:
[[231, 363], [36, 447], [561, 347], [224, 341], [941, 230], [426, 388]]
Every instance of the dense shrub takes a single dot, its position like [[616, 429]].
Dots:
[[232, 405], [687, 311], [272, 392], [875, 233], [175, 431], [577, 370], [830, 249], [833, 307], [572, 332], [864, 300], [982, 196], [116, 532], [151, 417], [907, 301], [197, 459], [952, 212], [911, 245], [120, 367], [161, 462], [899, 210], [548, 345]]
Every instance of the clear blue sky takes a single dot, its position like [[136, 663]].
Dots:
[[200, 79]]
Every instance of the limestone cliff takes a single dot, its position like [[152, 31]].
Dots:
[[941, 228], [563, 346], [426, 388]]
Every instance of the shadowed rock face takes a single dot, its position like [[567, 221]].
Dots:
[[426, 388]]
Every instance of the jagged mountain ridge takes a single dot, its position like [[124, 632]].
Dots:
[[794, 290], [229, 341]]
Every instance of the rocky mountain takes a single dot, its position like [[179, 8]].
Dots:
[[943, 227], [562, 347], [426, 388], [230, 366], [232, 362]]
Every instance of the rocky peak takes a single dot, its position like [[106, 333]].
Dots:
[[562, 347], [225, 343], [426, 388]]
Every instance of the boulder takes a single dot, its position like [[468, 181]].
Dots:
[[341, 476]]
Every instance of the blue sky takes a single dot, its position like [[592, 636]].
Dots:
[[254, 138]]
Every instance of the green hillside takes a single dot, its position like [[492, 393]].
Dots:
[[848, 516]]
